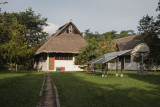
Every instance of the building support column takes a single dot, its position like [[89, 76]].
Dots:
[[117, 67], [93, 72], [105, 69], [47, 61]]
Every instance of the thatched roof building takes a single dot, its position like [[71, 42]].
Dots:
[[58, 51], [67, 39], [127, 43], [125, 62]]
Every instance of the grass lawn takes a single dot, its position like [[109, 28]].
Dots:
[[20, 89], [82, 89]]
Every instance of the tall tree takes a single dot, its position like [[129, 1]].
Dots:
[[6, 21], [99, 44], [125, 33], [34, 24], [96, 47], [149, 28], [15, 50], [2, 3], [88, 34], [111, 34], [20, 34]]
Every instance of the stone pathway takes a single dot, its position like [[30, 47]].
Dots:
[[49, 97]]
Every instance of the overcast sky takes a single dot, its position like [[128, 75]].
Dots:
[[97, 15]]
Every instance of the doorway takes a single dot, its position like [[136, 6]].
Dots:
[[51, 61]]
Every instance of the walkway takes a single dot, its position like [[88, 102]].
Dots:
[[49, 97]]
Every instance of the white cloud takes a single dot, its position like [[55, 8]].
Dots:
[[51, 28]]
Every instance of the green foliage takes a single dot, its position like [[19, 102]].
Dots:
[[96, 47], [6, 27], [88, 34], [15, 49], [149, 28], [20, 34], [111, 34], [125, 33], [99, 44], [89, 52], [34, 24]]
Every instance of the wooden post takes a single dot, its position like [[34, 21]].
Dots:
[[117, 67], [87, 67], [92, 68], [121, 74], [106, 69], [16, 67], [122, 66], [103, 70]]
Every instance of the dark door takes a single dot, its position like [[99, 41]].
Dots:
[[51, 62], [122, 62]]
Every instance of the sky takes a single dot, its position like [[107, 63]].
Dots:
[[97, 15]]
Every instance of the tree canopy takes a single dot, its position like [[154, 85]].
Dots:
[[34, 25], [20, 34], [99, 44], [149, 28], [111, 34]]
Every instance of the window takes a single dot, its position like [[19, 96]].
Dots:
[[70, 57], [128, 59], [44, 56], [121, 58], [63, 57]]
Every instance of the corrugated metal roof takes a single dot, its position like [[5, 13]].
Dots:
[[107, 57]]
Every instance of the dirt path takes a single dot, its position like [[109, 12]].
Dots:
[[49, 97]]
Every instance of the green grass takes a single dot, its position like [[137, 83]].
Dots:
[[20, 89], [82, 89]]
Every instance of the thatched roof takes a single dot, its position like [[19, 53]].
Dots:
[[67, 39], [127, 43]]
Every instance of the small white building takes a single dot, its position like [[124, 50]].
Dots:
[[124, 61], [58, 52]]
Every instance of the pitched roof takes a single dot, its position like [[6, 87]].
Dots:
[[65, 40], [127, 43], [125, 39]]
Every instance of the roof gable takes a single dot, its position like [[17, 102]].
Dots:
[[125, 39], [67, 28], [126, 43], [67, 39]]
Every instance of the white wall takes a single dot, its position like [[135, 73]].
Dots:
[[42, 65], [112, 66], [127, 66], [68, 64], [131, 66]]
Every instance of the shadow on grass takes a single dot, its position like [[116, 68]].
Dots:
[[20, 71], [20, 89], [77, 91], [153, 78], [99, 73]]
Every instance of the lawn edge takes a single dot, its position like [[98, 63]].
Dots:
[[56, 92], [41, 92]]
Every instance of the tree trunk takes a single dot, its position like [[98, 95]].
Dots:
[[16, 67]]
